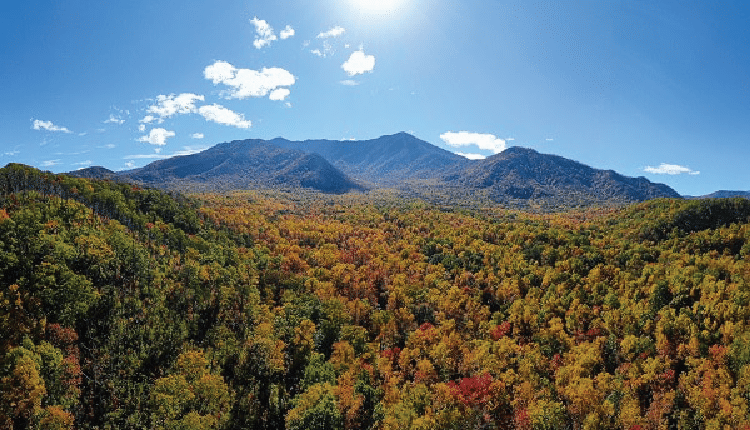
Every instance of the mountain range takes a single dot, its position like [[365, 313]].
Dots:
[[401, 161]]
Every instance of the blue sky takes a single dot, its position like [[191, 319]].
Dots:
[[655, 89]]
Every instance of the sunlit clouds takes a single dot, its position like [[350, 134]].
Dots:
[[487, 142], [221, 115], [472, 156], [670, 169], [359, 63], [49, 126], [245, 83], [264, 33], [333, 32], [157, 136], [168, 106]]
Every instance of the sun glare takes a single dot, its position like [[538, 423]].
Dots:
[[378, 6]]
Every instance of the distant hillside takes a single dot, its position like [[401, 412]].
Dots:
[[386, 160], [722, 194], [94, 172], [522, 173], [247, 164]]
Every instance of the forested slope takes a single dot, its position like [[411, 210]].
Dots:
[[123, 307]]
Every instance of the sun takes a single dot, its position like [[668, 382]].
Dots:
[[378, 6]]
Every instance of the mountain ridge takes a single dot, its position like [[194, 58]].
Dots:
[[517, 176]]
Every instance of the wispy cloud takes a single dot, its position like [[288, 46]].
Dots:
[[186, 150], [107, 146], [168, 106], [482, 141], [146, 156], [12, 153], [50, 163], [49, 126], [197, 136], [114, 120], [190, 150], [246, 83], [327, 50], [670, 169], [359, 63], [85, 163], [349, 82], [157, 136], [221, 115], [472, 156], [148, 119], [333, 32]]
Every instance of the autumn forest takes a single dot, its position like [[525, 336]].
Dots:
[[124, 307]]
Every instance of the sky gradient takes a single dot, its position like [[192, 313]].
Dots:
[[655, 89]]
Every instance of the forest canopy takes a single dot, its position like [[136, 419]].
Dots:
[[126, 307]]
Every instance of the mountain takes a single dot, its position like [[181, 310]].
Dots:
[[246, 164], [517, 176], [525, 174], [722, 194], [389, 159], [94, 172]]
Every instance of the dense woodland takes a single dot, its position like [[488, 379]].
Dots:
[[123, 307]]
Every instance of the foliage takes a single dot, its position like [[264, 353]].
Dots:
[[123, 307]]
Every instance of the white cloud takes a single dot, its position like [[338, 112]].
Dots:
[[86, 163], [349, 82], [157, 136], [114, 120], [147, 156], [359, 63], [246, 83], [129, 164], [221, 115], [263, 33], [107, 146], [197, 136], [141, 127], [50, 163], [189, 150], [279, 94], [148, 119], [482, 141], [286, 33], [333, 32], [472, 156], [670, 169], [47, 125], [12, 153], [170, 105], [186, 150]]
